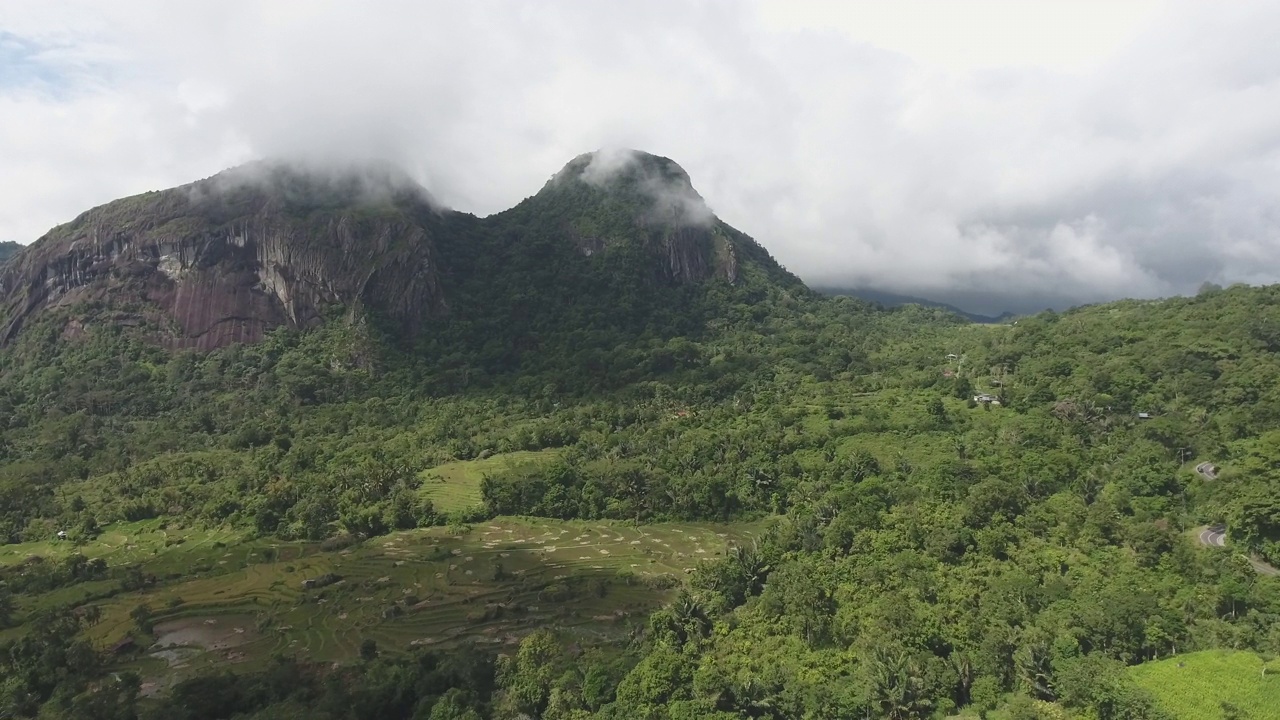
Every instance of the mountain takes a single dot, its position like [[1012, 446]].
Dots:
[[888, 299], [271, 244], [228, 258]]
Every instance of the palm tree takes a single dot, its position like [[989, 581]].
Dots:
[[897, 683], [691, 616]]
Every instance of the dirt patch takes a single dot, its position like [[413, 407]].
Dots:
[[207, 634]]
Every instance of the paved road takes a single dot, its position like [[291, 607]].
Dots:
[[1215, 536], [1207, 470], [1262, 567]]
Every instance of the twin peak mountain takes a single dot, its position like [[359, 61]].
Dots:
[[226, 259]]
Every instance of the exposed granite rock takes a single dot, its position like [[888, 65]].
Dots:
[[229, 258]]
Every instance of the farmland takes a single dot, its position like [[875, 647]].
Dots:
[[1197, 684], [239, 601]]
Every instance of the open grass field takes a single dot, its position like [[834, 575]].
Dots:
[[456, 485], [223, 599], [1194, 686], [126, 543]]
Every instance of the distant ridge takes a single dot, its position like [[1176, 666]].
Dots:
[[889, 299], [8, 249]]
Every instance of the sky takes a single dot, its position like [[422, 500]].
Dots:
[[996, 155]]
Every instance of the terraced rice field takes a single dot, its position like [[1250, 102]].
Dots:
[[490, 583], [456, 485]]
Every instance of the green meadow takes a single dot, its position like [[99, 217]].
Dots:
[[456, 485], [1196, 685]]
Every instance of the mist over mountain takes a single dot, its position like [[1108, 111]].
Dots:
[[575, 459], [1130, 156], [410, 409], [271, 244]]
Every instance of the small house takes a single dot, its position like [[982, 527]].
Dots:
[[62, 534], [952, 356], [1145, 416], [986, 398]]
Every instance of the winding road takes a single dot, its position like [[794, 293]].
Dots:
[[1216, 536]]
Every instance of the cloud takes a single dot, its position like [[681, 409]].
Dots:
[[607, 164], [310, 180], [671, 197], [998, 158]]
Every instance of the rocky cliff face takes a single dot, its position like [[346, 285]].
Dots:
[[226, 259]]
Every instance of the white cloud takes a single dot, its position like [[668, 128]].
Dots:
[[1075, 151]]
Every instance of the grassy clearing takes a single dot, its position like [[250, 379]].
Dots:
[[168, 553], [456, 485], [491, 583], [1195, 685], [125, 543]]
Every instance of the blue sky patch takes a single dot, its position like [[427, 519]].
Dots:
[[27, 64]]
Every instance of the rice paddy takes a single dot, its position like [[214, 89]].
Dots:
[[436, 587]]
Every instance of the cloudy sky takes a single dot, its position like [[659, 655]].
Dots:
[[1000, 155]]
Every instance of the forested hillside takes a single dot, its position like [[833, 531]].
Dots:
[[637, 470]]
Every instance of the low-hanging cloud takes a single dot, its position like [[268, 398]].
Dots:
[[310, 181], [666, 187], [1147, 173]]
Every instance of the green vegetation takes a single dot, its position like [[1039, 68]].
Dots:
[[592, 491], [455, 486], [1213, 683], [431, 588]]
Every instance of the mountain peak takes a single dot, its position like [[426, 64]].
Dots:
[[657, 184], [622, 164], [276, 243], [315, 184]]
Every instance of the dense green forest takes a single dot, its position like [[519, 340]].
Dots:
[[925, 552], [914, 516]]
